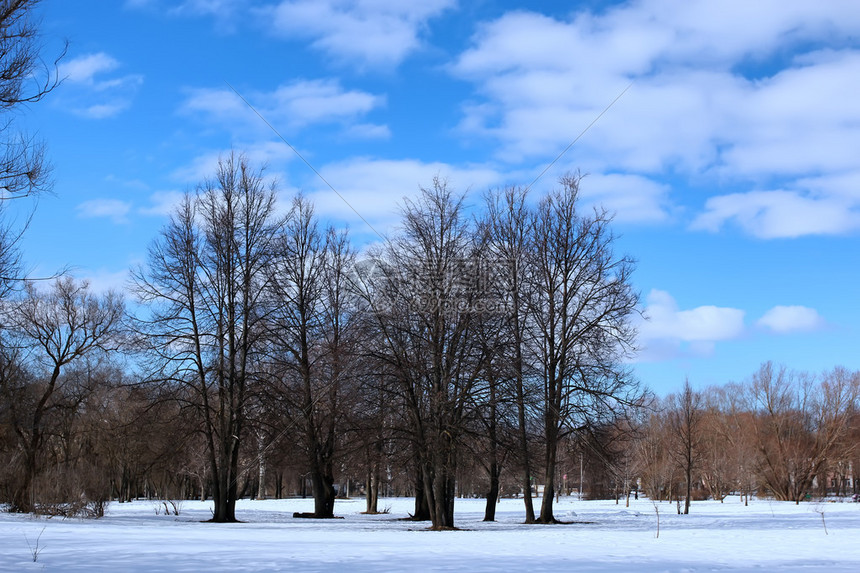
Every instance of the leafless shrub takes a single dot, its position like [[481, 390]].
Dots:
[[83, 508], [168, 507], [34, 547]]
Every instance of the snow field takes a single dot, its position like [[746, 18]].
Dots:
[[766, 536]]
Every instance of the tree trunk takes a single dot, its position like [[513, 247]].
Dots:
[[493, 470], [493, 494], [324, 494], [219, 492], [546, 513], [429, 491], [372, 489], [225, 483], [689, 492], [442, 482], [22, 500], [442, 512], [524, 443], [422, 504]]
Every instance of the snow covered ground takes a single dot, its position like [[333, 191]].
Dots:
[[766, 536]]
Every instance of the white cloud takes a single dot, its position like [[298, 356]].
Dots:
[[102, 110], [102, 280], [113, 209], [703, 323], [227, 16], [713, 96], [375, 188], [220, 9], [368, 131], [780, 214], [88, 93], [369, 190], [788, 319], [136, 184], [322, 100], [632, 198], [798, 121], [289, 107], [376, 33], [200, 168], [260, 154], [845, 185], [162, 203], [218, 103], [83, 69], [668, 331], [544, 84]]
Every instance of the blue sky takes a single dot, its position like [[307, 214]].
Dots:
[[732, 162]]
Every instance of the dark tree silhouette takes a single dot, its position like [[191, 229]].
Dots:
[[205, 286], [25, 78]]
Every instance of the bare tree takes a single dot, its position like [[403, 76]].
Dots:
[[53, 329], [581, 307], [685, 421], [371, 424], [722, 444], [310, 327], [25, 78], [653, 457], [615, 446], [508, 224], [205, 286], [799, 425], [492, 432], [422, 306]]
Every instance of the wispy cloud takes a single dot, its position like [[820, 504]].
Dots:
[[113, 209], [91, 91], [162, 203], [370, 33], [780, 214], [368, 131], [260, 154], [668, 332], [216, 8], [83, 69], [219, 8], [632, 198], [289, 107], [103, 280], [228, 16]]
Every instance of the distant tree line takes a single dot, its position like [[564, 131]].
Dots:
[[786, 435]]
